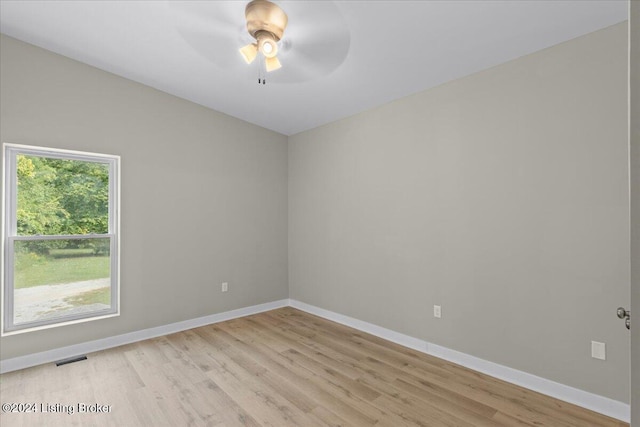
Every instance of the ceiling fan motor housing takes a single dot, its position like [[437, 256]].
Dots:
[[265, 16]]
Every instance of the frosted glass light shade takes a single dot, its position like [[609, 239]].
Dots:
[[272, 64], [249, 52]]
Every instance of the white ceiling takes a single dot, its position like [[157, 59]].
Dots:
[[391, 48]]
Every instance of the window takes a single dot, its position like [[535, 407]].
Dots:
[[60, 237]]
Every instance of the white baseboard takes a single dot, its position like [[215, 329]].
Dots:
[[49, 356], [594, 402], [578, 397]]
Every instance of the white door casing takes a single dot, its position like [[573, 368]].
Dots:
[[634, 152]]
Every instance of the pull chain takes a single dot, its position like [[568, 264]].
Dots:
[[261, 73]]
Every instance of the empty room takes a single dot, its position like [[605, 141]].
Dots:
[[320, 213]]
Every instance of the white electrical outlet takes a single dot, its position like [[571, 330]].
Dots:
[[598, 350], [225, 287], [437, 311]]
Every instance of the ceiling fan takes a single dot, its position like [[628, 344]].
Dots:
[[266, 23], [315, 43]]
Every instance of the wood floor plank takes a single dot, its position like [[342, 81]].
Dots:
[[242, 380], [324, 355], [322, 390], [279, 368], [259, 400], [232, 414], [279, 384], [158, 388], [432, 406]]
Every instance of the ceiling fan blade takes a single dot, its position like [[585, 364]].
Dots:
[[249, 52], [316, 41], [272, 64], [219, 17], [214, 29]]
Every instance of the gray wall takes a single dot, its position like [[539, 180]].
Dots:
[[634, 24], [204, 195], [502, 196]]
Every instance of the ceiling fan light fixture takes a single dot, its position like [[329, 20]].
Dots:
[[267, 45], [249, 52]]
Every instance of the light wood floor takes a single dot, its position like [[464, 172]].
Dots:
[[280, 368]]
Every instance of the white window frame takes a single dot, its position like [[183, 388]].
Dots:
[[9, 235]]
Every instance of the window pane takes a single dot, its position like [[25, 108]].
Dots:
[[61, 277], [58, 196]]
